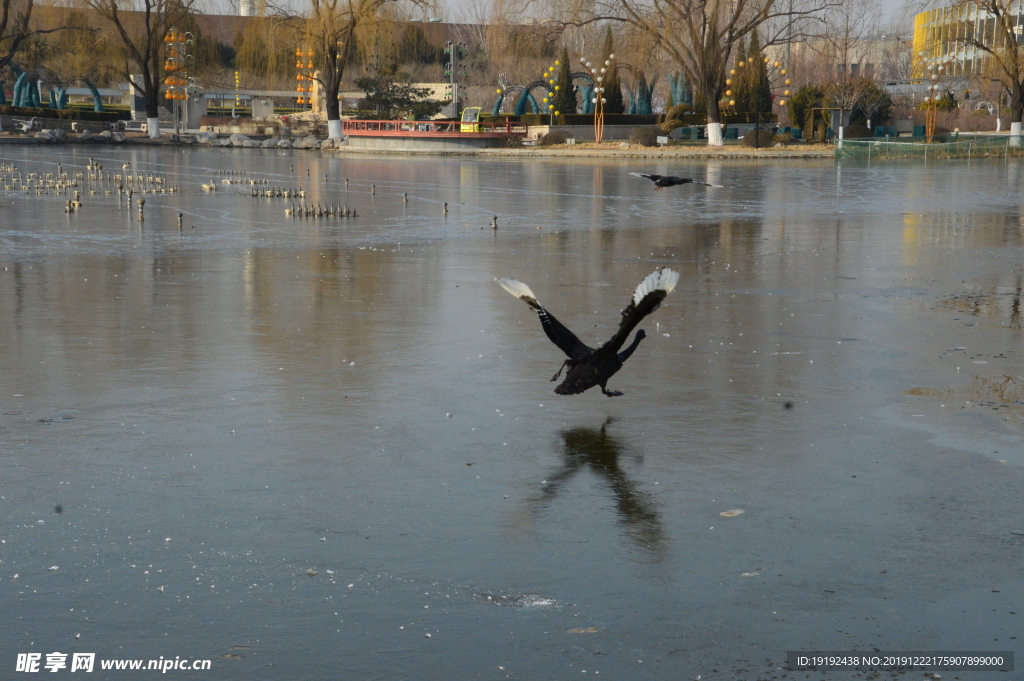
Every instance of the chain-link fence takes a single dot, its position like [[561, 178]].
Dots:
[[981, 146]]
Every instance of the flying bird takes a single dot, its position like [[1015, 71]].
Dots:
[[662, 181], [588, 367]]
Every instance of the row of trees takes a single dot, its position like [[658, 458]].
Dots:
[[868, 104], [347, 33], [700, 39]]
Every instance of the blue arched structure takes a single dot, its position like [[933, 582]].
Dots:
[[682, 91], [586, 90], [97, 101], [526, 97], [640, 97], [20, 94]]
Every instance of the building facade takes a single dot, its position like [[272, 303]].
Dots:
[[949, 36]]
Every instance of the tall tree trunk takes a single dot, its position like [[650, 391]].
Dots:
[[1016, 110], [714, 122], [332, 85], [335, 53], [151, 98]]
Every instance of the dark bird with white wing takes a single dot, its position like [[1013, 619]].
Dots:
[[588, 367], [662, 181]]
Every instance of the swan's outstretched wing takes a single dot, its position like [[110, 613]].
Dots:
[[708, 184], [565, 339], [646, 299], [653, 178]]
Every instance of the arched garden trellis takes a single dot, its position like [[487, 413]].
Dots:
[[523, 97]]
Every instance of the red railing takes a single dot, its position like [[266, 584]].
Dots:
[[430, 128]]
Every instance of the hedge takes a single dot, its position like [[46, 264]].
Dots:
[[61, 114], [626, 119]]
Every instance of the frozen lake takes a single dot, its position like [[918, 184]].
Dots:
[[328, 448]]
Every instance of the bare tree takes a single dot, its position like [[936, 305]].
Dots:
[[141, 26], [990, 27], [332, 28], [266, 49], [14, 27], [844, 37], [897, 61], [873, 101], [698, 36], [75, 50], [843, 48]]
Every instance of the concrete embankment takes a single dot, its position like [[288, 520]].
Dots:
[[611, 150]]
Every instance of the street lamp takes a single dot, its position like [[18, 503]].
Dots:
[[598, 99], [304, 76], [456, 51], [936, 68], [176, 72], [553, 86]]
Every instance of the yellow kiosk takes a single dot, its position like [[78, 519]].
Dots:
[[470, 119]]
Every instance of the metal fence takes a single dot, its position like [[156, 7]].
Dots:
[[981, 146]]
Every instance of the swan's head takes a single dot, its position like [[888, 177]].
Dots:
[[640, 335]]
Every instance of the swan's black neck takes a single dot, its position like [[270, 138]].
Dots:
[[624, 355]]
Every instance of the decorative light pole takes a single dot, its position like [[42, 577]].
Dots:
[[598, 99], [776, 77], [176, 73], [304, 76], [551, 81], [238, 99], [935, 69]]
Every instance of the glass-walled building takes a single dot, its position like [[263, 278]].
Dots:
[[948, 35]]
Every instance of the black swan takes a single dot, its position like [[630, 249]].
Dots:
[[662, 181], [589, 367]]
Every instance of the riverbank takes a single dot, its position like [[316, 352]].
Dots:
[[623, 150], [591, 150]]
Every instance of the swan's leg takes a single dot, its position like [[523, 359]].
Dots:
[[555, 377], [611, 393]]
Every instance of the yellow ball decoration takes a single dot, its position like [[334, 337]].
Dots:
[[558, 63], [728, 93], [732, 102], [558, 113], [557, 88], [498, 91], [782, 102]]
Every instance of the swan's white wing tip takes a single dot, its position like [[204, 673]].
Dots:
[[518, 289], [664, 279], [669, 279]]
